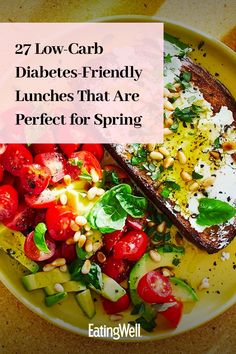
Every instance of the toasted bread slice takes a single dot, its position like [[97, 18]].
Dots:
[[213, 238]]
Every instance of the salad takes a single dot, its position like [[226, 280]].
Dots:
[[81, 227]]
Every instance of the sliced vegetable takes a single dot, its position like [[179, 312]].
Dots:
[[8, 201], [132, 246], [33, 252], [15, 157], [55, 299]]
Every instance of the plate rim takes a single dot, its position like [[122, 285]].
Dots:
[[157, 336]]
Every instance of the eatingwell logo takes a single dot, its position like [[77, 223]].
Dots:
[[121, 331]]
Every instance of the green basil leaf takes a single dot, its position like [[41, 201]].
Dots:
[[94, 277], [217, 144], [39, 237], [196, 175], [214, 212], [134, 206], [165, 192], [110, 218], [172, 185]]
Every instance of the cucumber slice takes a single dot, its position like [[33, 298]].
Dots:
[[43, 279], [182, 290], [69, 286], [54, 299], [85, 301], [12, 242]]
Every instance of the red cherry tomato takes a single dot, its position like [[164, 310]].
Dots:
[[8, 201], [136, 224], [117, 269], [22, 220], [68, 149], [1, 173], [32, 252], [40, 215], [3, 148], [120, 173], [58, 221], [68, 252], [111, 239], [154, 287], [96, 149], [174, 313], [132, 246], [88, 160], [35, 178], [55, 162], [15, 157], [114, 307], [8, 179], [42, 148], [44, 200]]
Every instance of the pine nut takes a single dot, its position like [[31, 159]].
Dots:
[[81, 241], [186, 176], [77, 236], [67, 179], [151, 224], [89, 233], [168, 105], [154, 155], [208, 182], [88, 246], [80, 220], [215, 154], [116, 317], [181, 157], [86, 267], [193, 187], [87, 227], [164, 151], [63, 268], [59, 262], [70, 241], [169, 161], [48, 267], [151, 147], [168, 122], [167, 131], [58, 288], [161, 227], [155, 256], [96, 246], [63, 199], [167, 273], [92, 192], [166, 92], [204, 284], [229, 145], [94, 175], [74, 227], [101, 257], [100, 191]]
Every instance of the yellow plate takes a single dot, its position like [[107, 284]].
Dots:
[[196, 264]]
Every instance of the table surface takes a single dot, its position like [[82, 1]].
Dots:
[[21, 331]]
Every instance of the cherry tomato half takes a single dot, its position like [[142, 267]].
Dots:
[[96, 149], [68, 252], [117, 269], [68, 149], [132, 246], [154, 287], [58, 221], [15, 157], [55, 162], [44, 200], [109, 240], [35, 178], [8, 201], [22, 220], [174, 313], [32, 252], [114, 307], [113, 168], [88, 162]]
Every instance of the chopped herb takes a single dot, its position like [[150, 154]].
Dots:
[[138, 309], [146, 325], [174, 127], [186, 76], [167, 58], [169, 248], [76, 162], [217, 143], [187, 114], [200, 45], [170, 87], [94, 277], [172, 184], [85, 175], [165, 192], [196, 175], [176, 262]]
